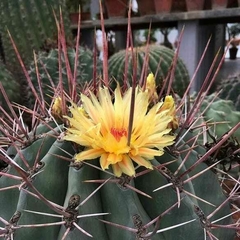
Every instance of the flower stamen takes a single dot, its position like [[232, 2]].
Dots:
[[118, 133]]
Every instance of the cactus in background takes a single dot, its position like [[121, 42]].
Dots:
[[48, 69], [32, 27], [230, 90], [31, 24], [11, 86], [112, 165], [221, 115], [160, 60]]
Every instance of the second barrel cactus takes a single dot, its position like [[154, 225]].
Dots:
[[48, 69], [221, 115], [159, 61], [230, 90]]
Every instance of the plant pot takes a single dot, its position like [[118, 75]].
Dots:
[[219, 4], [233, 52], [194, 5], [146, 7], [163, 6], [178, 6], [116, 8], [84, 16]]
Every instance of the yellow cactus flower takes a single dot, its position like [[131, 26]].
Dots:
[[57, 107], [103, 130], [151, 87], [170, 106]]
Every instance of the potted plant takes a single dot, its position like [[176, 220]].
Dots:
[[233, 30], [73, 8]]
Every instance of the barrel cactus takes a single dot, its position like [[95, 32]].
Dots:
[[10, 85], [159, 61], [48, 69], [220, 114], [105, 164], [31, 24], [230, 90], [47, 184]]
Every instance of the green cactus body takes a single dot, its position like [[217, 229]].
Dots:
[[57, 182], [224, 113], [49, 186], [230, 90], [159, 62], [130, 208], [93, 205], [186, 210], [52, 189], [10, 85], [31, 25]]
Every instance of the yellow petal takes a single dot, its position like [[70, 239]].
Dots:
[[151, 87], [57, 107], [147, 152], [114, 158], [91, 109], [126, 166], [151, 84], [141, 161], [103, 161], [75, 138], [117, 170], [89, 154], [105, 109]]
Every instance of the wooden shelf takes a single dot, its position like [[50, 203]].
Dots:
[[206, 16]]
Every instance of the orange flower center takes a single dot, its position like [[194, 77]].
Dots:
[[118, 133]]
